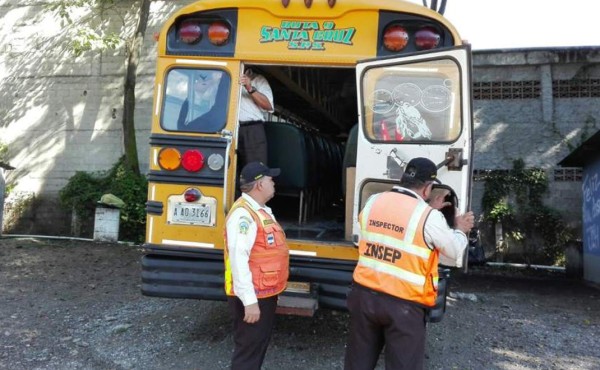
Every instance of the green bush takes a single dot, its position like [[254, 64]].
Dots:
[[515, 199], [84, 190]]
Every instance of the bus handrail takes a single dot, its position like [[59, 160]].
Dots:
[[227, 135]]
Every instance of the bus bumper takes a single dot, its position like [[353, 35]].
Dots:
[[200, 275]]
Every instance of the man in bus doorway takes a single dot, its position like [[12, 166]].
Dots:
[[256, 101], [401, 240], [256, 265]]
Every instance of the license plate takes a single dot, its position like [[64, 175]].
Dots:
[[192, 214]]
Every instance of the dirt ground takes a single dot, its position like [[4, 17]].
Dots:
[[77, 305]]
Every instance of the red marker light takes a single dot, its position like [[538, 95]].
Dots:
[[190, 32], [191, 195], [395, 37], [218, 33], [427, 38], [192, 160]]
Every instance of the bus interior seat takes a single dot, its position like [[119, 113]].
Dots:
[[349, 154], [287, 151]]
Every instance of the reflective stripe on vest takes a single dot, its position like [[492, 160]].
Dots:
[[269, 257], [393, 255], [405, 245]]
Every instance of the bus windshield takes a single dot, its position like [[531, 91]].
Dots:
[[196, 100]]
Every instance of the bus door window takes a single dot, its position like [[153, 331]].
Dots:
[[414, 103], [196, 100]]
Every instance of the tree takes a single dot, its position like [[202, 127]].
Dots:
[[88, 39]]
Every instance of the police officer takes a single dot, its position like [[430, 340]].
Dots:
[[401, 240], [256, 265]]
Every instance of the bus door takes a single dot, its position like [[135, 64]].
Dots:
[[414, 106]]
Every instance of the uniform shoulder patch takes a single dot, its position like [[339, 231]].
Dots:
[[244, 225]]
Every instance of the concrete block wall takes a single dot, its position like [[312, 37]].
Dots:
[[60, 114], [541, 130]]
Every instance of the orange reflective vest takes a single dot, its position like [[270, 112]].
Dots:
[[393, 255], [269, 257]]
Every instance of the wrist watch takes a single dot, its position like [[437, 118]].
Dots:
[[252, 90]]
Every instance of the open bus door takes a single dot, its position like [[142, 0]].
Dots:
[[414, 106]]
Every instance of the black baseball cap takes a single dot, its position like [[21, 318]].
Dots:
[[255, 170], [421, 169]]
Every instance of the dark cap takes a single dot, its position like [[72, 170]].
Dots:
[[421, 169], [256, 170]]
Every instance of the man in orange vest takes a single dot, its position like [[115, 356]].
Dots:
[[256, 265], [402, 237]]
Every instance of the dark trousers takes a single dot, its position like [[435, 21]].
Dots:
[[378, 319], [251, 340], [252, 143]]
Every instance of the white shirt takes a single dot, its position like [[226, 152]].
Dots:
[[241, 235], [249, 111], [451, 243]]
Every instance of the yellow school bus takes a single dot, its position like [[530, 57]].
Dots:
[[360, 87]]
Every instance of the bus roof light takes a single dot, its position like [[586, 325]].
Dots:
[[395, 37], [192, 160], [308, 3], [331, 3], [285, 3], [218, 33], [427, 38], [190, 32], [169, 159]]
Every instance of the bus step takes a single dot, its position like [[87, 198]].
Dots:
[[297, 305]]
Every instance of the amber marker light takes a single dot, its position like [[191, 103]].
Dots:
[[218, 33], [427, 38], [169, 159], [395, 37]]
